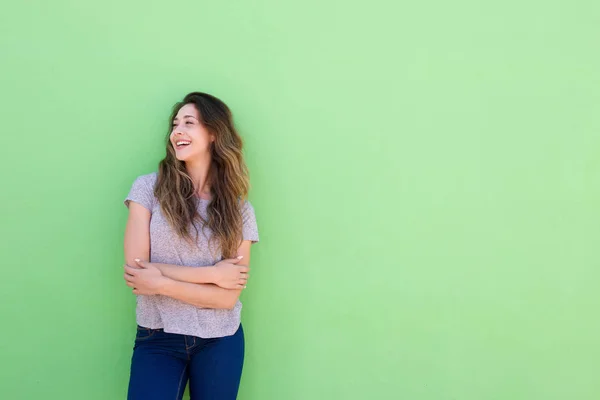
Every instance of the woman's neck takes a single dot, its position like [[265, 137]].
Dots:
[[198, 171]]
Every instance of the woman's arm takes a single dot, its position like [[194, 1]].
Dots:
[[228, 274], [149, 280], [205, 274], [137, 234], [201, 295]]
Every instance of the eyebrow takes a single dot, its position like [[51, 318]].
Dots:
[[185, 116]]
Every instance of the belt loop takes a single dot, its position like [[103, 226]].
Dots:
[[193, 341]]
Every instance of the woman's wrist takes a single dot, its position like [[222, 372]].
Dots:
[[167, 286], [207, 274], [211, 274]]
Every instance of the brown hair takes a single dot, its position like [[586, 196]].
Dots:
[[228, 178]]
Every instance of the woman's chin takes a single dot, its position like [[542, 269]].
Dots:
[[191, 156], [188, 157], [182, 155]]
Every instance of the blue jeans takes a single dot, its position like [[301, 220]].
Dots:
[[162, 364]]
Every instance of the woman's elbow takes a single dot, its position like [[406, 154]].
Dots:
[[230, 299]]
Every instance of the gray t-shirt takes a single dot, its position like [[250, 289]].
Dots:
[[167, 247]]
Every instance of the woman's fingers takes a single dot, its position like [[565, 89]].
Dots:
[[130, 270], [235, 286], [232, 260]]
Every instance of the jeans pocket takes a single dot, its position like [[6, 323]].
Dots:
[[144, 333]]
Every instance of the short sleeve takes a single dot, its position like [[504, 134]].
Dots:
[[142, 191], [249, 227]]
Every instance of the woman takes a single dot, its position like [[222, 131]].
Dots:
[[187, 251]]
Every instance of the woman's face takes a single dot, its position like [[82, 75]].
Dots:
[[190, 139]]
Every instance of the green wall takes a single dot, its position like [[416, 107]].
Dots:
[[426, 177]]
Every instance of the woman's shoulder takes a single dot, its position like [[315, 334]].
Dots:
[[147, 179], [247, 209], [142, 191], [245, 204]]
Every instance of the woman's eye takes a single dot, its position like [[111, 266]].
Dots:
[[189, 122]]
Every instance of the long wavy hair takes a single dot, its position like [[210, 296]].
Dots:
[[227, 177]]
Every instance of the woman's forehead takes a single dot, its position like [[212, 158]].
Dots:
[[188, 110]]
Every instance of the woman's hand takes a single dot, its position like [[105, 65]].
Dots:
[[145, 279], [228, 275]]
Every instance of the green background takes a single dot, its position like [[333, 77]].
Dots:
[[426, 179]]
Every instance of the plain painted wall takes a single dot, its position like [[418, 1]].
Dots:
[[425, 174]]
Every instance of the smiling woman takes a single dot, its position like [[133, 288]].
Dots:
[[187, 252]]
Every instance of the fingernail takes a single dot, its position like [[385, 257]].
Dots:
[[240, 257], [137, 259], [245, 287]]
